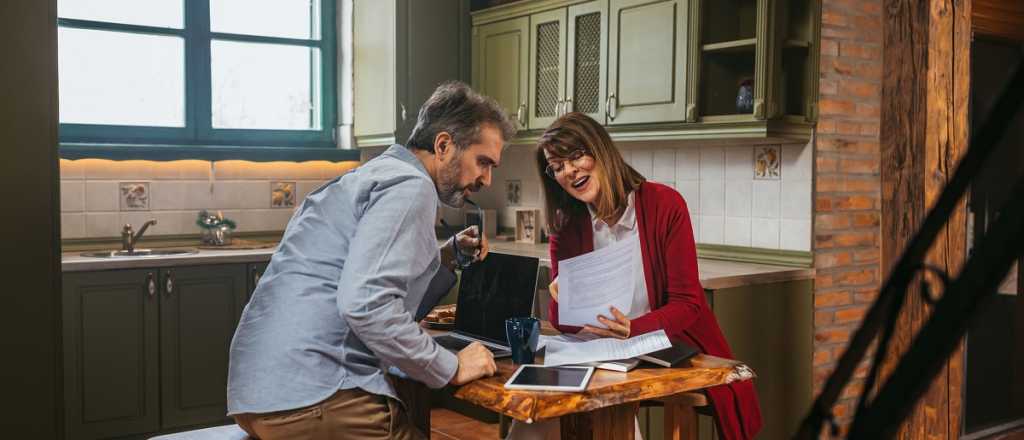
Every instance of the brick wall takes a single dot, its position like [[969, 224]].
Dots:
[[847, 201]]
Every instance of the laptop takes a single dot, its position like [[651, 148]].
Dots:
[[500, 287]]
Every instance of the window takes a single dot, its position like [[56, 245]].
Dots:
[[197, 72]]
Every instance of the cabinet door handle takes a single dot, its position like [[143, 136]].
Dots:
[[521, 115], [151, 284], [256, 278], [568, 106], [560, 109], [169, 284], [610, 105], [403, 111]]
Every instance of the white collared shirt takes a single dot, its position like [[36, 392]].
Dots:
[[625, 229]]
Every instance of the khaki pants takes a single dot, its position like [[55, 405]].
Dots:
[[348, 414]]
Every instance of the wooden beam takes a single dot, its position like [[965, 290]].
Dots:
[[923, 136], [1002, 19]]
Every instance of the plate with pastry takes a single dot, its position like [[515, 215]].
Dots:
[[441, 317]]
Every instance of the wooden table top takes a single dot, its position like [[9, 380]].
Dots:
[[606, 388]]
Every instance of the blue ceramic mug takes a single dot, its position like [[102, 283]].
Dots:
[[522, 334]]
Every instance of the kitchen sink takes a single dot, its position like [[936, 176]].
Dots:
[[139, 253]]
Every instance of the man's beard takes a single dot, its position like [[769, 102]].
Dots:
[[448, 190]]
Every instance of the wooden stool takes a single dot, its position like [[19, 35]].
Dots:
[[683, 407]]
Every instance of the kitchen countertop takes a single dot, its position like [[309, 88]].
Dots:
[[714, 274]]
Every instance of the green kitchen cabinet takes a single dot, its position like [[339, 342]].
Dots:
[[145, 350], [199, 310], [111, 353], [770, 46], [501, 65], [256, 271], [647, 65], [547, 67], [586, 73], [402, 50]]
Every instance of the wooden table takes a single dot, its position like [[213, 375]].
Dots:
[[607, 408]]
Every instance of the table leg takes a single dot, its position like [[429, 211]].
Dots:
[[416, 397], [680, 419], [610, 423]]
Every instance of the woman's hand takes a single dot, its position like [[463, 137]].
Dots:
[[553, 290], [619, 328]]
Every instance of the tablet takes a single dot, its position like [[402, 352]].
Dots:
[[539, 377]]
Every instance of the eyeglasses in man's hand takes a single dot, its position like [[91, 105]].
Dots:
[[469, 245]]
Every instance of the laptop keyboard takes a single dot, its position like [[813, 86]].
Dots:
[[455, 344]]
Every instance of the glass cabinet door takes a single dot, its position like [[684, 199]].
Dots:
[[585, 76], [547, 63]]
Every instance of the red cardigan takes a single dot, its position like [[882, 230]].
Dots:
[[676, 297]]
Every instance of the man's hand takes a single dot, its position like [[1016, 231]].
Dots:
[[471, 242], [475, 361]]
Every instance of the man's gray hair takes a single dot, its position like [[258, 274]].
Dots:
[[458, 110]]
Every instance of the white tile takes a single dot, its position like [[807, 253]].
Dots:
[[712, 197], [241, 195], [690, 190], [187, 220], [795, 235], [101, 196], [169, 222], [797, 162], [643, 162], [279, 218], [304, 188], [688, 163], [197, 195], [796, 199], [194, 169], [103, 224], [72, 226], [664, 166], [737, 198], [712, 229], [712, 163], [737, 231], [739, 163], [71, 170], [72, 196], [764, 233], [765, 200], [167, 195], [134, 196]]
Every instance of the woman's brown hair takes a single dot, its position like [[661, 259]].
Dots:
[[577, 131]]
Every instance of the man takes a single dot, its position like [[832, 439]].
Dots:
[[335, 308]]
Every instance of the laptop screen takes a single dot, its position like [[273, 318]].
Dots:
[[500, 287]]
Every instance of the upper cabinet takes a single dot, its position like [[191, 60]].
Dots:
[[402, 50], [501, 64], [654, 69], [647, 61]]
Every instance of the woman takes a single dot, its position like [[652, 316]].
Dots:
[[592, 199]]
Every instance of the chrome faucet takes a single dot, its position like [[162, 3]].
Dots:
[[129, 238]]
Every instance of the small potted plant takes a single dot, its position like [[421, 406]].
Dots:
[[215, 230]]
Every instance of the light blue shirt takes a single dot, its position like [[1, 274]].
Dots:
[[335, 307]]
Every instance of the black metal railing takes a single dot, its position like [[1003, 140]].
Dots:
[[990, 260]]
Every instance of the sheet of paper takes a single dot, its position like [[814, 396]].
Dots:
[[563, 351], [591, 283]]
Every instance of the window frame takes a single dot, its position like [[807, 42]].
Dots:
[[198, 132]]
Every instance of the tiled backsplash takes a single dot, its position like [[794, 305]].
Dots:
[[737, 195], [99, 196]]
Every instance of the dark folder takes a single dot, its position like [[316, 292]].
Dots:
[[673, 356]]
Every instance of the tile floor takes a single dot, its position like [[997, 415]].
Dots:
[[450, 425]]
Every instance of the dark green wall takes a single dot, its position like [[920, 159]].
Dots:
[[29, 315]]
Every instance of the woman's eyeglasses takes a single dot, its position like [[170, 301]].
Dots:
[[578, 158]]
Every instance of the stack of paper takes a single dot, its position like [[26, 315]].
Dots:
[[567, 349], [591, 283]]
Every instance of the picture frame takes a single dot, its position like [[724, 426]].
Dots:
[[528, 228]]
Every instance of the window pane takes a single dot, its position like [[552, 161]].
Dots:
[[272, 18], [121, 78], [162, 13], [270, 86]]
